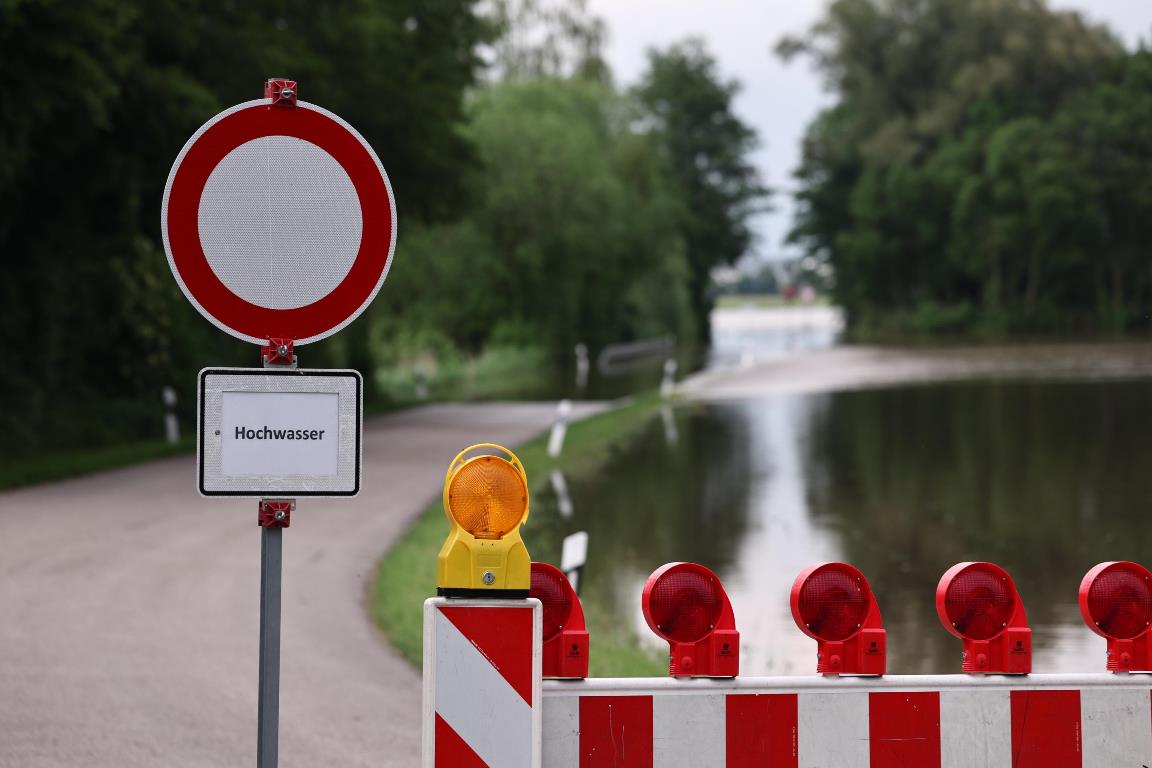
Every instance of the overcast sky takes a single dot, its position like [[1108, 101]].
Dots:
[[778, 100]]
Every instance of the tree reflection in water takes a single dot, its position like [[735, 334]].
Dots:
[[1044, 478]]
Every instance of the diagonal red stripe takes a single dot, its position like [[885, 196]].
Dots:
[[452, 751], [1046, 729], [504, 637]]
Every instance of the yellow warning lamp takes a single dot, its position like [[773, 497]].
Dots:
[[486, 501]]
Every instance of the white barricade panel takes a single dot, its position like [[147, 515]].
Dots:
[[975, 728], [688, 731], [1109, 721], [949, 721], [482, 683], [561, 731], [833, 729]]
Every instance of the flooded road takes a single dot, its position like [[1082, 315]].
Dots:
[[900, 461]]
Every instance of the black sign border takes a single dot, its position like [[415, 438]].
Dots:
[[200, 432]]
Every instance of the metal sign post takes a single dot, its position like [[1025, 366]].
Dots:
[[278, 253], [275, 515]]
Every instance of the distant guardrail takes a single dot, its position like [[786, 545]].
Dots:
[[617, 359]]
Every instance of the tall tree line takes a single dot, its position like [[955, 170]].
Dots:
[[539, 203], [985, 168]]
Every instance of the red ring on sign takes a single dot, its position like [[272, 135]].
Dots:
[[313, 320]]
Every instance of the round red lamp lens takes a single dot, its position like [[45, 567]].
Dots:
[[685, 605], [980, 601], [551, 588], [833, 602], [1120, 601]]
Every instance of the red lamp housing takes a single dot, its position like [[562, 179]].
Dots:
[[565, 652], [1116, 603], [685, 604], [832, 603], [978, 603]]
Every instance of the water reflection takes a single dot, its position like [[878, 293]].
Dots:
[[1046, 479], [652, 501]]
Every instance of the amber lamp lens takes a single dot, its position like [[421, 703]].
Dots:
[[979, 602], [487, 497]]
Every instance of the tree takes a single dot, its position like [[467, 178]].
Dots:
[[548, 39], [688, 108], [958, 181], [573, 237], [108, 93]]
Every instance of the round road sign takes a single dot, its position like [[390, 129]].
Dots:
[[278, 222]]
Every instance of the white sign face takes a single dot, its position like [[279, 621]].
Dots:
[[266, 432], [293, 193], [279, 433]]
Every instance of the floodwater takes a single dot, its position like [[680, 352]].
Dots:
[[1038, 465]]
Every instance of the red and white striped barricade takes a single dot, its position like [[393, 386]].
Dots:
[[922, 721], [482, 694]]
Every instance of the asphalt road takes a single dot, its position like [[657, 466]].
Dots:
[[129, 610]]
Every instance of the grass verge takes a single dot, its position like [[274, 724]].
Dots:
[[15, 473], [406, 574]]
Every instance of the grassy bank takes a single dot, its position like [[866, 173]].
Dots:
[[406, 574], [15, 473]]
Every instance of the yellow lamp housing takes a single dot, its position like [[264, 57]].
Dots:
[[486, 501]]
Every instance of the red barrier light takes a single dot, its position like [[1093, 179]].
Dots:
[[685, 604], [832, 603], [565, 652], [1116, 603], [978, 603]]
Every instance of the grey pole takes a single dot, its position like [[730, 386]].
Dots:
[[268, 717], [275, 515], [274, 518]]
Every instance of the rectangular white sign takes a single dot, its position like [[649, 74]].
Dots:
[[268, 432], [279, 433]]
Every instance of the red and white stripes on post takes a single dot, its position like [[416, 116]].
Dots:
[[949, 721], [482, 695]]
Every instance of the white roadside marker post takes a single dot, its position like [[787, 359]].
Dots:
[[171, 423], [559, 429], [668, 383], [574, 555], [582, 366]]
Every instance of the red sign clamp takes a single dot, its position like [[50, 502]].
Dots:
[[275, 513], [278, 352], [282, 92]]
